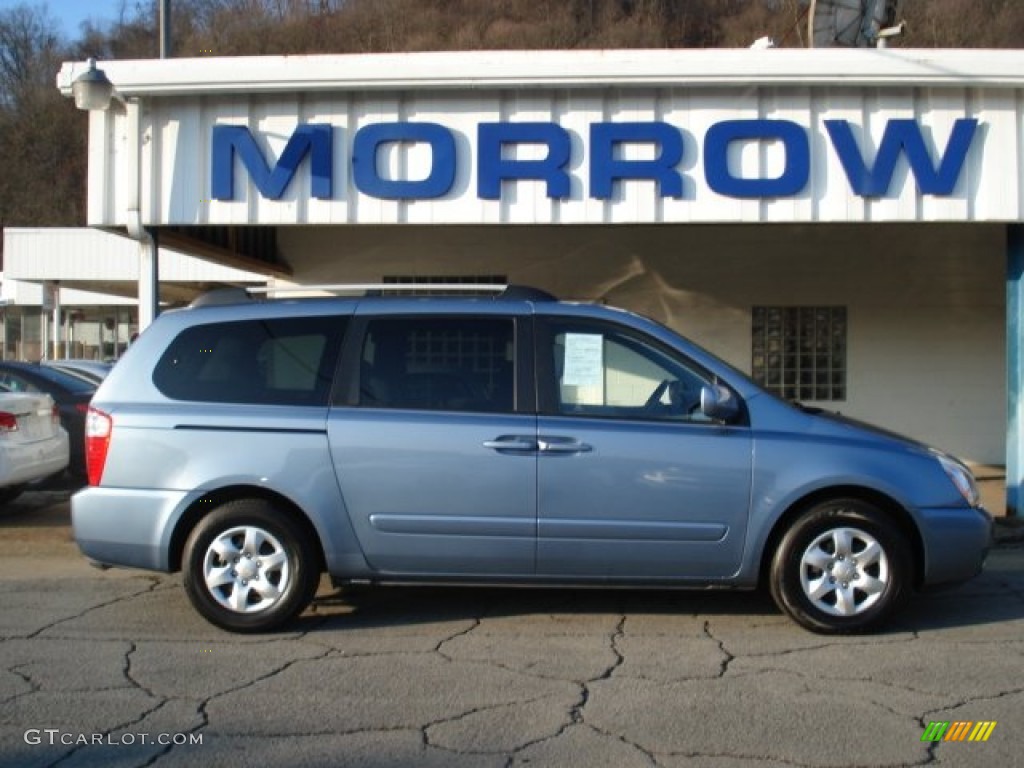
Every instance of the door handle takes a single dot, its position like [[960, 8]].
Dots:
[[511, 443], [563, 445]]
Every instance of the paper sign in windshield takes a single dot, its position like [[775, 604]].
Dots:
[[584, 360]]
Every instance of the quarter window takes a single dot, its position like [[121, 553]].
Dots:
[[285, 361], [436, 363]]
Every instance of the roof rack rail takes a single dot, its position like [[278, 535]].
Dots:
[[499, 290], [371, 288], [221, 296], [239, 295]]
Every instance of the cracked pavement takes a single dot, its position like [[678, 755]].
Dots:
[[487, 677]]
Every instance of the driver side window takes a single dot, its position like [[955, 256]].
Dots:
[[604, 372]]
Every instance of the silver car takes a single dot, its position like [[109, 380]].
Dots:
[[33, 445], [514, 439]]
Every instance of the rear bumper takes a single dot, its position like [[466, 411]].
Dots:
[[25, 462], [126, 527], [956, 542]]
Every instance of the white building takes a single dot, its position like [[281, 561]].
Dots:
[[71, 292], [843, 224]]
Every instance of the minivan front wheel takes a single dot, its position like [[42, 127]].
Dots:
[[248, 567], [843, 567]]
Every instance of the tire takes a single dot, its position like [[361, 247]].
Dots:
[[249, 567], [843, 567], [10, 493]]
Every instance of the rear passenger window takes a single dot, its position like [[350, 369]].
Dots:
[[432, 363], [285, 361]]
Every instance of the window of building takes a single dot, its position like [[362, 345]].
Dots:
[[438, 363], [799, 353], [285, 361]]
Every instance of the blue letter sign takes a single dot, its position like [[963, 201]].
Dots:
[[605, 168], [496, 162], [902, 136], [364, 160], [716, 158], [493, 168], [229, 140]]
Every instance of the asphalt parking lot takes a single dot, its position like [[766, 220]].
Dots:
[[115, 669]]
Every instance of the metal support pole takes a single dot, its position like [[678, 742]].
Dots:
[[165, 29], [56, 325], [149, 280], [1015, 369], [149, 261]]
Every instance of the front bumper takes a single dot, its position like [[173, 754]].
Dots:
[[127, 527], [956, 542]]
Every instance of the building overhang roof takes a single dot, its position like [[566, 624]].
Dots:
[[561, 69]]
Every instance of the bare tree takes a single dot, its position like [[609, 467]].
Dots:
[[42, 136], [964, 23], [30, 50]]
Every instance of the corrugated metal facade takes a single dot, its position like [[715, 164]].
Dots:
[[87, 255], [178, 118]]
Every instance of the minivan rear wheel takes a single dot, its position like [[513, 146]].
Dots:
[[843, 567], [249, 567]]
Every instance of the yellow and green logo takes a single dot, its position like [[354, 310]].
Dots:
[[958, 730]]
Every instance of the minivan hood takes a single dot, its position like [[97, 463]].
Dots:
[[834, 423]]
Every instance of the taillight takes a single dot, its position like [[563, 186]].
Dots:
[[8, 422], [98, 429], [55, 415]]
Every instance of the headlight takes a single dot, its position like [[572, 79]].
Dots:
[[961, 477]]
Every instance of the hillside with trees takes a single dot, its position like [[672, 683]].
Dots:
[[43, 137]]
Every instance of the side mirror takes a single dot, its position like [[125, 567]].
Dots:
[[718, 403]]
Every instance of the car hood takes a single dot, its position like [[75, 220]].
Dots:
[[838, 425]]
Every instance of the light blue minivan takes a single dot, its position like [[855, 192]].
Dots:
[[509, 439]]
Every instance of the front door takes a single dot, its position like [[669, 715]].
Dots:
[[633, 481]]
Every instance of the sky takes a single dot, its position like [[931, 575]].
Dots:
[[71, 13]]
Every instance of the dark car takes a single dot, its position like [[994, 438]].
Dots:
[[93, 371], [71, 394]]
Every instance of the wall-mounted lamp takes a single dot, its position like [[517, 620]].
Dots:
[[93, 92], [92, 89]]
